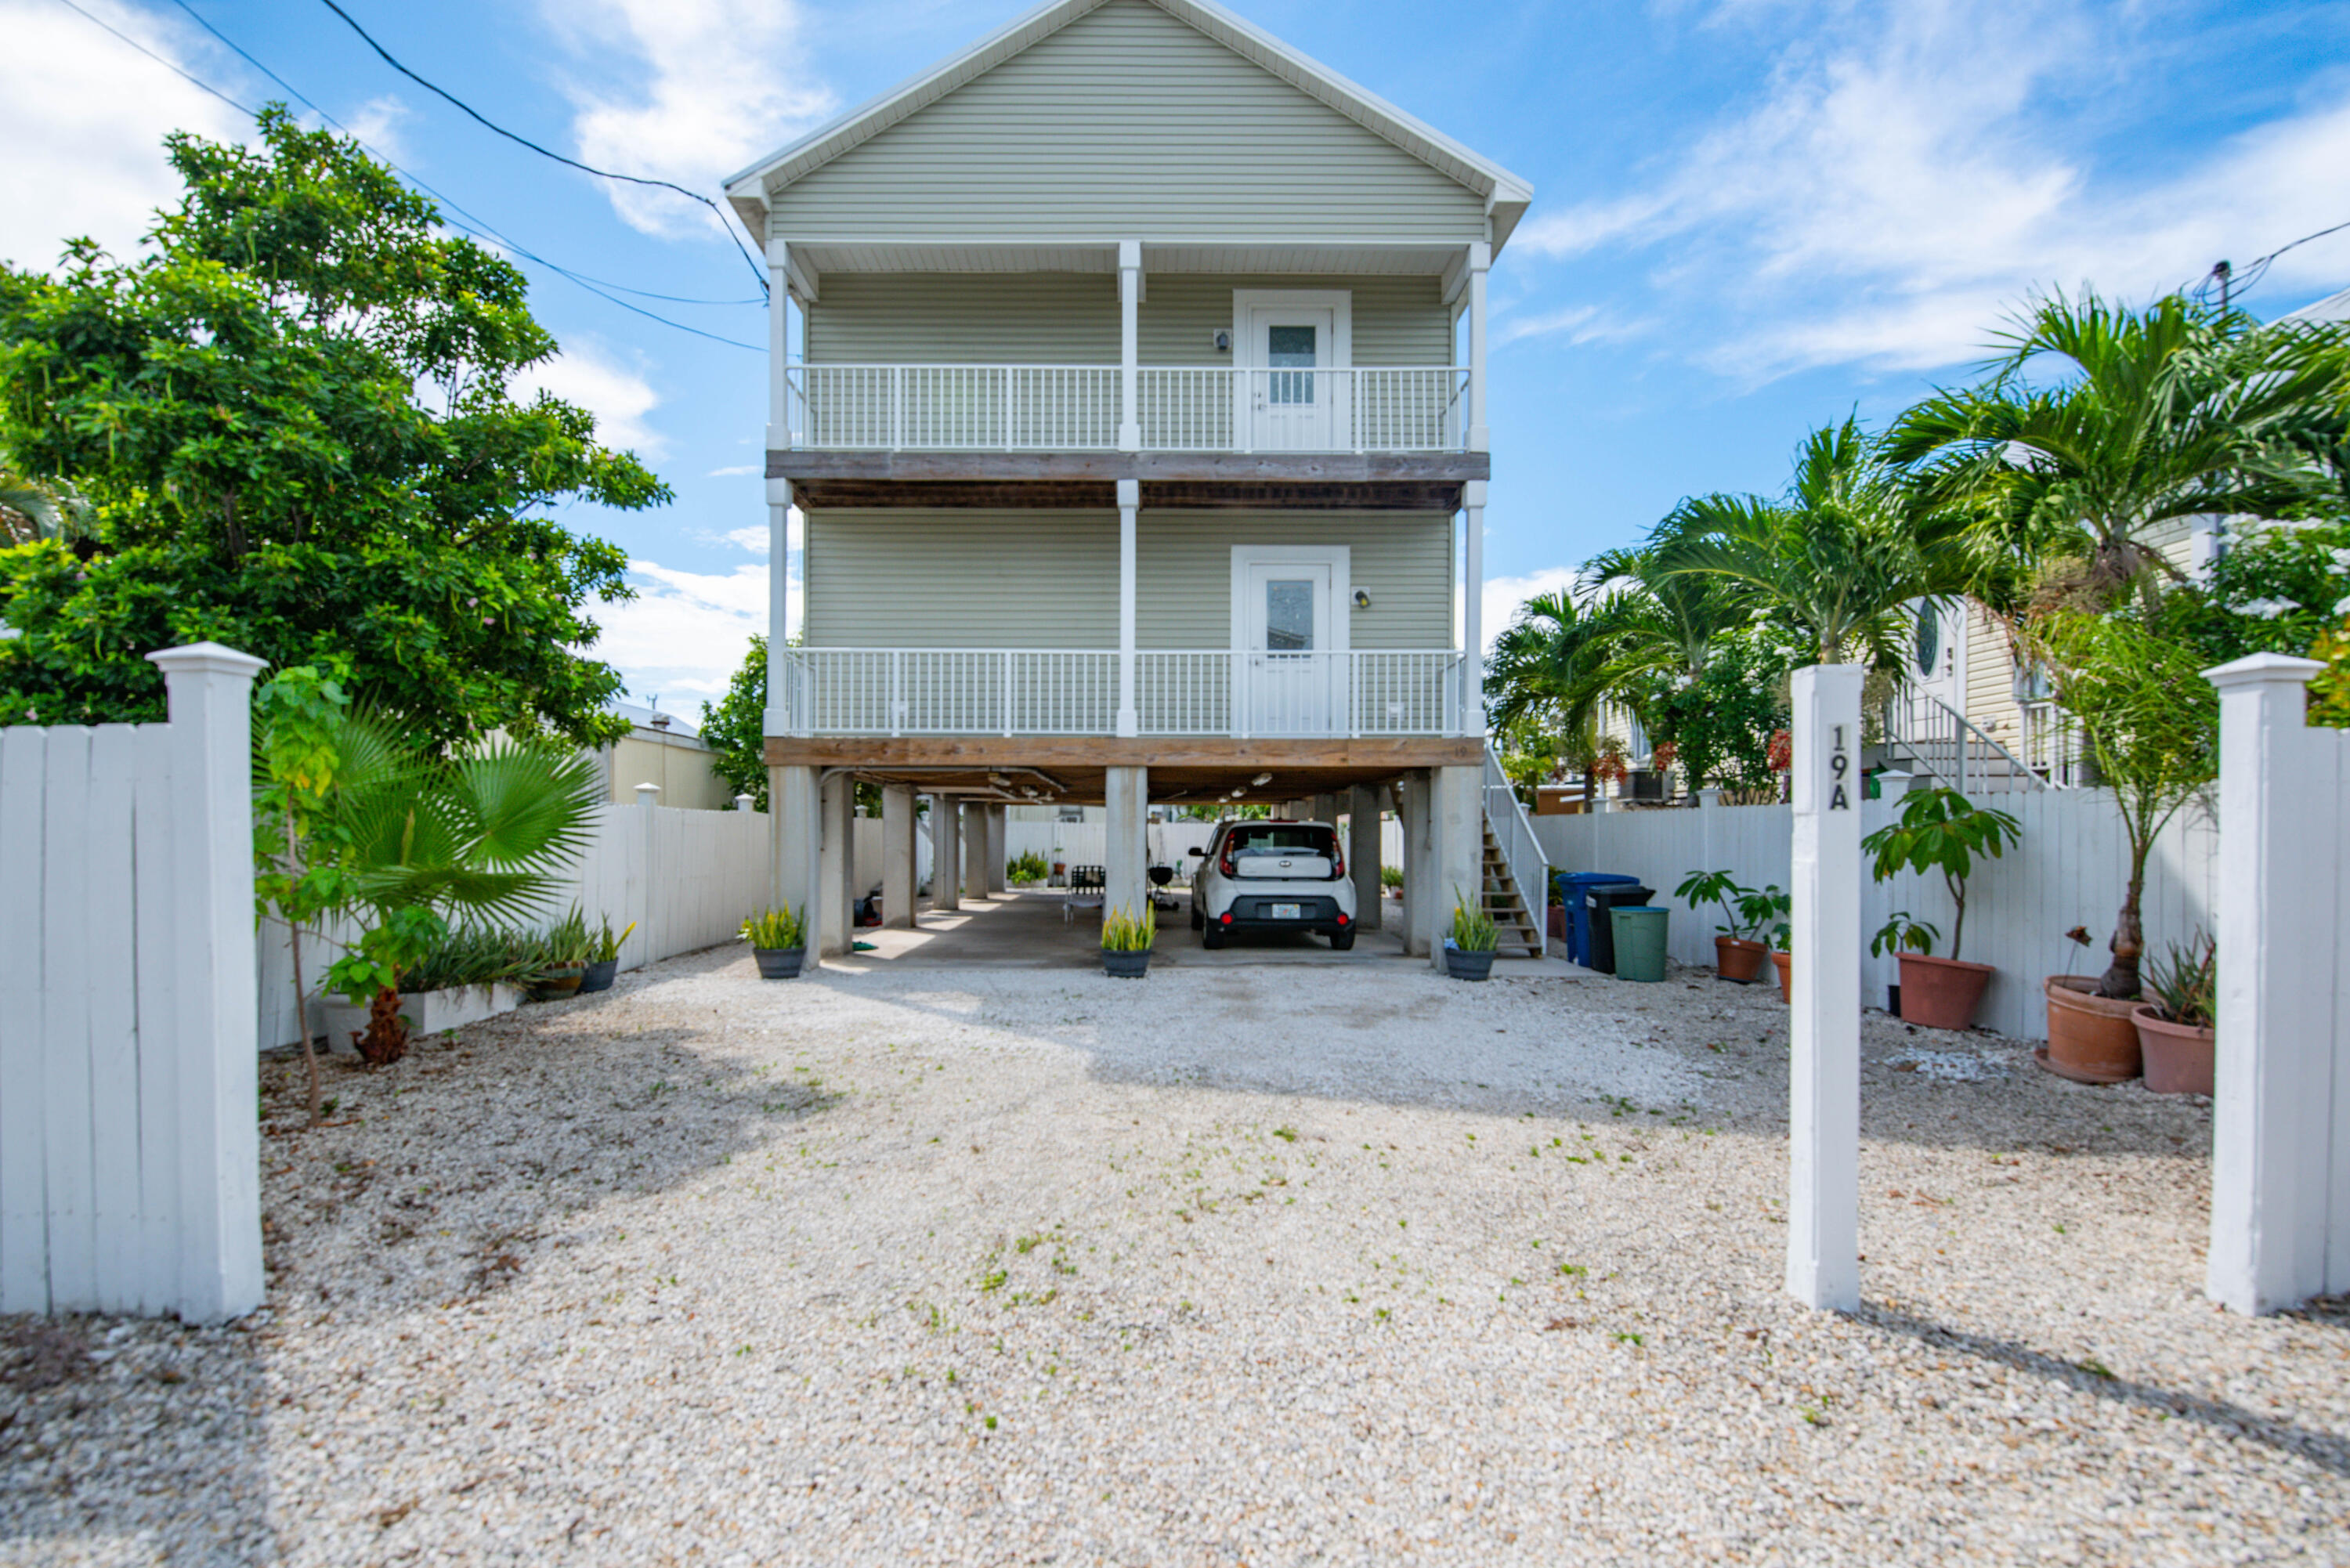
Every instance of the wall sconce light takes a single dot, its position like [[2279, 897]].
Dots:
[[1223, 340], [1362, 600]]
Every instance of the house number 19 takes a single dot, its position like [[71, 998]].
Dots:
[[1839, 763]]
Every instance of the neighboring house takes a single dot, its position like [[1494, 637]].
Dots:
[[1138, 401], [661, 749]]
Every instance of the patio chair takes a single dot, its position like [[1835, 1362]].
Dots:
[[1088, 888]]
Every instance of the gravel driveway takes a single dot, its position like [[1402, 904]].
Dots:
[[1254, 1265]]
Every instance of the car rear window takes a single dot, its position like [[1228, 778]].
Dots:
[[1272, 838]]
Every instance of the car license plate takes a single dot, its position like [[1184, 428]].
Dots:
[[1288, 911]]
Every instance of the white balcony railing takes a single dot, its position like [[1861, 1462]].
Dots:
[[1078, 407], [1058, 691]]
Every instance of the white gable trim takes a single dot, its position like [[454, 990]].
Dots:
[[1506, 195]]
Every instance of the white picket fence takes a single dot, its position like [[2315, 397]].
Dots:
[[129, 1145], [685, 879], [2068, 870]]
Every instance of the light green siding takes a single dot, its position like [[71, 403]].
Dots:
[[977, 579], [1128, 124], [1071, 318], [962, 577]]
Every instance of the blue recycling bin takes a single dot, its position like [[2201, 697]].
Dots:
[[1571, 885]]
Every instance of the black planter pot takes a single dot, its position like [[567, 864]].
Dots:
[[600, 976], [555, 984], [1463, 965], [1126, 966], [779, 963]]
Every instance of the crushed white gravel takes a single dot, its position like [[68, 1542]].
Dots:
[[1233, 1265]]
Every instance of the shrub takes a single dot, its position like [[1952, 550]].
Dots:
[[1391, 876], [775, 930], [1125, 933], [1027, 869], [1473, 930]]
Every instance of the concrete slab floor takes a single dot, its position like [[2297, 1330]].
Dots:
[[1033, 930]]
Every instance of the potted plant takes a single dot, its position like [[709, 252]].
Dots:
[[2152, 727], [563, 956], [1938, 830], [1469, 951], [1782, 957], [1126, 942], [778, 939], [604, 961], [2175, 1030], [1737, 955]]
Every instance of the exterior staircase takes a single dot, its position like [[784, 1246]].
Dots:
[[1517, 923], [1924, 736]]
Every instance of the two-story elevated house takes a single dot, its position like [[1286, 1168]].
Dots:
[[1129, 371]]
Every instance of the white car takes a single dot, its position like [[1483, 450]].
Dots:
[[1263, 875]]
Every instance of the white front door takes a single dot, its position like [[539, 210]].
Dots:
[[1286, 664], [1937, 646], [1292, 405]]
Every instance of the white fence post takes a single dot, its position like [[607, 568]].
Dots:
[[211, 689], [1824, 1023], [2280, 1111]]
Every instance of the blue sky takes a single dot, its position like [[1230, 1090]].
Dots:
[[1750, 217]]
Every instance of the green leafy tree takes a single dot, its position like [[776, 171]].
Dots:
[[1941, 830], [292, 419], [2152, 724], [734, 728], [2174, 412], [300, 854]]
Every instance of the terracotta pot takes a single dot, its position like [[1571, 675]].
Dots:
[[1735, 958], [2090, 1039], [2177, 1055], [1940, 992], [1785, 964]]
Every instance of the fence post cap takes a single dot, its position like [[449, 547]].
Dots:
[[645, 792], [2262, 668], [206, 658]]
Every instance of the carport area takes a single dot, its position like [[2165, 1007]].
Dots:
[[1029, 929]]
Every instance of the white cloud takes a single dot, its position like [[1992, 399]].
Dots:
[[618, 396], [83, 117], [1892, 195], [736, 471], [1498, 604], [685, 632], [377, 123], [718, 83]]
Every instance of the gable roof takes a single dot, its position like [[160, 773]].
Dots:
[[2332, 308], [1506, 195]]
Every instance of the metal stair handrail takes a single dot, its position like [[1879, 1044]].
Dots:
[[1960, 730], [1514, 830]]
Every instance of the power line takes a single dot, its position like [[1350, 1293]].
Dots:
[[307, 103], [2234, 282], [546, 152], [477, 227]]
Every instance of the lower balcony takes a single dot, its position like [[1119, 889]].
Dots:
[[1253, 694]]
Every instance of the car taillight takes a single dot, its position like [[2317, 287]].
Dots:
[[1225, 919], [1225, 866], [1342, 919], [1338, 866]]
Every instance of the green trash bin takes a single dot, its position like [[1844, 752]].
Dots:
[[1640, 942]]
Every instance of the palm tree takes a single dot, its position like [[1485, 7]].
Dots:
[[33, 509], [1841, 557], [1546, 665], [2172, 412]]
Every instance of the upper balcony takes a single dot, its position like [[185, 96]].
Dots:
[[1220, 409]]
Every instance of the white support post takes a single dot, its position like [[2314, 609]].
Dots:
[[946, 853], [2280, 1110], [1126, 884], [899, 857], [1129, 359], [996, 882], [834, 886], [648, 797], [1480, 259], [1824, 1021], [975, 850], [211, 693], [1472, 610], [1419, 869], [1130, 500], [777, 720], [1456, 828], [796, 832]]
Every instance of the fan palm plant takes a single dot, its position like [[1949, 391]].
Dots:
[[2167, 413], [33, 509], [482, 833], [1841, 557]]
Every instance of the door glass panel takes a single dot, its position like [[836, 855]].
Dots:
[[1930, 638], [1289, 350], [1289, 616]]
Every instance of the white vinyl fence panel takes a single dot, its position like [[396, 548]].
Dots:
[[2068, 870], [129, 1137]]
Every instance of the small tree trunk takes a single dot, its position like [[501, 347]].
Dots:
[[2128, 943], [302, 1021], [386, 1040], [1958, 887]]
